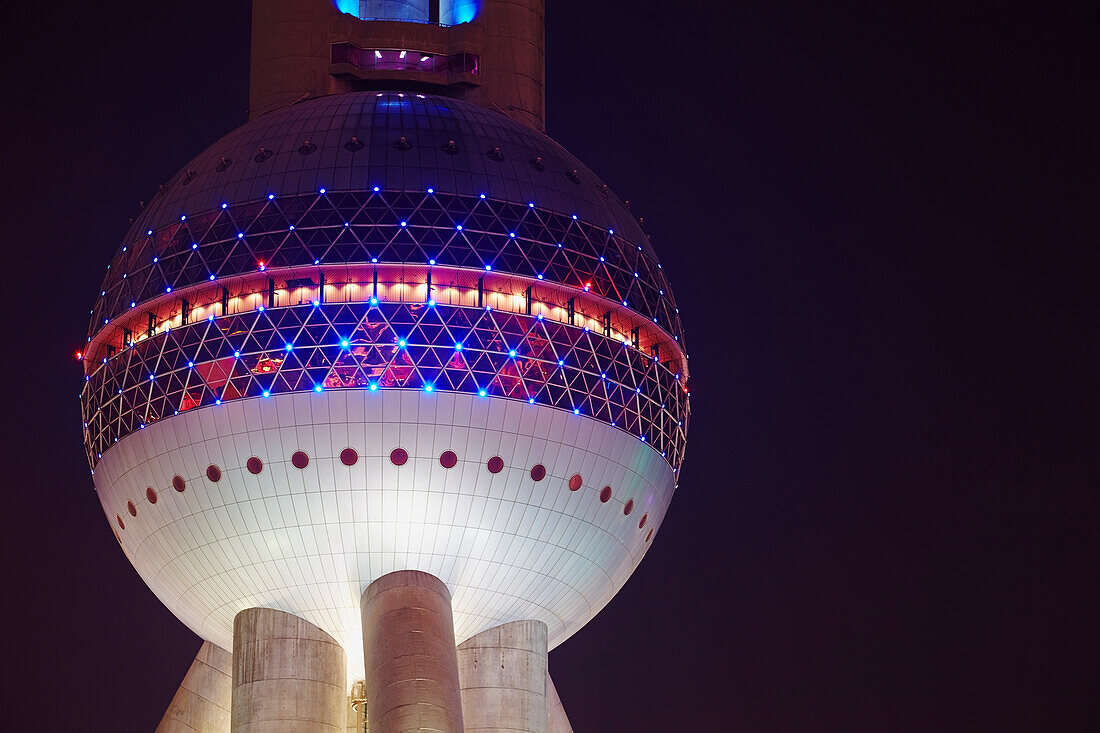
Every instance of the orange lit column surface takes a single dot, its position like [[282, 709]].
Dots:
[[409, 647], [503, 674], [204, 698], [288, 675]]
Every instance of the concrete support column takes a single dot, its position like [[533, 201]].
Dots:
[[409, 650], [559, 721], [204, 698], [503, 676], [288, 675]]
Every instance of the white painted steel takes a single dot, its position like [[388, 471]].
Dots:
[[309, 541]]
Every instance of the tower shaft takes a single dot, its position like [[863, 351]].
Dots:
[[490, 52]]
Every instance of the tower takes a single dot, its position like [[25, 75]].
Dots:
[[385, 383]]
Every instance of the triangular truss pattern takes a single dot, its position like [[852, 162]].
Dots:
[[388, 227], [385, 346]]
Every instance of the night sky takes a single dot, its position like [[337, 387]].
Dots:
[[879, 221]]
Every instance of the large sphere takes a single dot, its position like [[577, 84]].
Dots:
[[384, 331]]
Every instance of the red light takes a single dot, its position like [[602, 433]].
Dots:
[[79, 356], [587, 287]]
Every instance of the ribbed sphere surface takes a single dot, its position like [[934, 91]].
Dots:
[[378, 120], [482, 435]]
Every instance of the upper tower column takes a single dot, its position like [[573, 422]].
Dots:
[[490, 52]]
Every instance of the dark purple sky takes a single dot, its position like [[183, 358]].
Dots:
[[880, 224]]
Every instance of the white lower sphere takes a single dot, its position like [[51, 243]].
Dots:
[[309, 541]]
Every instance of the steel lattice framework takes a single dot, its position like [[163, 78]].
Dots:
[[385, 346], [387, 227], [376, 344]]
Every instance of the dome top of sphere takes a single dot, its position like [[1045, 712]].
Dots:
[[309, 146]]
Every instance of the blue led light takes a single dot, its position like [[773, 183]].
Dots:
[[531, 400], [428, 388], [512, 353], [168, 289], [211, 276], [374, 301], [210, 318], [431, 262], [561, 363], [431, 304], [149, 233], [376, 189], [344, 343], [458, 227], [316, 303], [152, 377], [374, 386], [322, 191], [290, 347], [291, 227], [183, 217], [576, 411], [488, 267], [481, 393], [603, 375], [132, 304], [610, 231], [482, 195], [531, 205], [540, 276], [225, 205], [191, 365], [512, 235], [431, 190], [374, 259], [267, 393], [156, 260], [574, 217], [458, 346], [270, 196], [217, 402], [317, 388], [194, 245], [602, 259], [401, 343]]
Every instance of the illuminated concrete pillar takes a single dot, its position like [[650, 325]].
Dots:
[[204, 698], [503, 676], [409, 650], [288, 675], [559, 721]]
